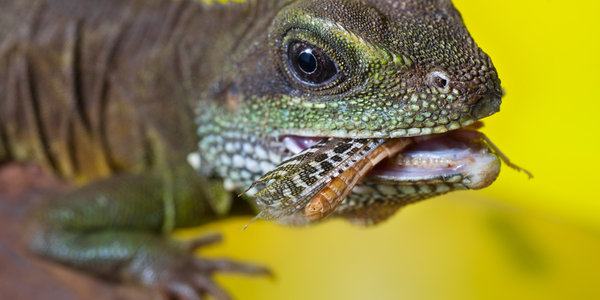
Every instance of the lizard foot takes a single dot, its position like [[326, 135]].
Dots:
[[183, 275]]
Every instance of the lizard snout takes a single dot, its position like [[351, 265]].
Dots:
[[486, 106]]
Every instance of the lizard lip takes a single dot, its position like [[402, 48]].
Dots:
[[458, 153]]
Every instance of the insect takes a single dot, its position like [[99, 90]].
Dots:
[[337, 189], [323, 174]]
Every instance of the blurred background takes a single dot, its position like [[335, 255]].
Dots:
[[519, 238]]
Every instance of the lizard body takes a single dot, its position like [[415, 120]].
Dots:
[[115, 95]]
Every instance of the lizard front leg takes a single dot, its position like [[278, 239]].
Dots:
[[118, 228]]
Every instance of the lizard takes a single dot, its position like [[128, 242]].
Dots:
[[160, 112]]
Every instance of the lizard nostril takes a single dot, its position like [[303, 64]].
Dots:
[[439, 79], [440, 82]]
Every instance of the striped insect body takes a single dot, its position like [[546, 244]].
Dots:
[[288, 188], [332, 195]]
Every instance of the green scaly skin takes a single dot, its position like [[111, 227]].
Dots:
[[114, 96]]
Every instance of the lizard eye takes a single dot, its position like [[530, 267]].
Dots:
[[310, 64]]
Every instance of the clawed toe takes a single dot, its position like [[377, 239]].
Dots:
[[195, 288], [183, 275], [203, 241], [222, 265], [225, 265]]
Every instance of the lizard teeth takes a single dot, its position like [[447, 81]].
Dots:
[[298, 143]]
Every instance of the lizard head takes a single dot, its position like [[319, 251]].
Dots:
[[365, 69], [348, 69]]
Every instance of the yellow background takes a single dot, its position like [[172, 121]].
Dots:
[[519, 238]]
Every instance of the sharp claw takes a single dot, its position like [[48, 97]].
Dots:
[[211, 288], [183, 276], [206, 240]]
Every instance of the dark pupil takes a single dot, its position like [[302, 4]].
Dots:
[[307, 61], [310, 64]]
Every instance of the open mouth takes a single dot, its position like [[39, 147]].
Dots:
[[455, 154], [322, 172], [462, 152]]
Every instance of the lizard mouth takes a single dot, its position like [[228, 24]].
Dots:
[[322, 172], [463, 154]]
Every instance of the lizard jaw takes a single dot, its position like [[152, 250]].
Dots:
[[433, 158], [431, 165], [442, 157]]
